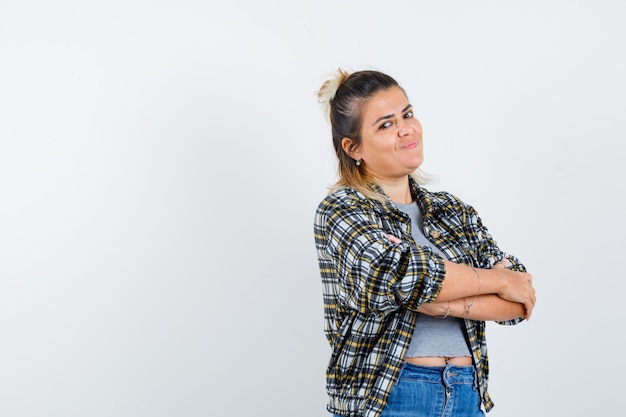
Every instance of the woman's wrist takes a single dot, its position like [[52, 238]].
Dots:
[[492, 282], [445, 313], [457, 307]]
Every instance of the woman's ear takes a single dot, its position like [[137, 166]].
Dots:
[[351, 148]]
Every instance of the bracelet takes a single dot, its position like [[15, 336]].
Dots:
[[468, 307], [446, 314]]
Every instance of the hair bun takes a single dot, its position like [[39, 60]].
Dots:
[[327, 91]]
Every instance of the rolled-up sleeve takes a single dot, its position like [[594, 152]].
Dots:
[[368, 271]]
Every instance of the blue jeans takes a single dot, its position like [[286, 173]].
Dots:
[[421, 391]]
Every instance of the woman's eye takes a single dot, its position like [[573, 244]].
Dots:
[[385, 125], [408, 115]]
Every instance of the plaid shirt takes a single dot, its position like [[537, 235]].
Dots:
[[370, 286]]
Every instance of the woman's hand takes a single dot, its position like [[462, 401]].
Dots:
[[393, 239], [517, 286]]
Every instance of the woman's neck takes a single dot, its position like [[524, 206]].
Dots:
[[398, 191]]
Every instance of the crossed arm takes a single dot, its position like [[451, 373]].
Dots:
[[496, 294], [491, 301]]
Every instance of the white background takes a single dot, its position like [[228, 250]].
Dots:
[[161, 161]]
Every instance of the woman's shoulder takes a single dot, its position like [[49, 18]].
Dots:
[[348, 198], [442, 199], [344, 196], [446, 203]]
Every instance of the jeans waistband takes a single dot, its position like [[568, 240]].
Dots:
[[448, 375]]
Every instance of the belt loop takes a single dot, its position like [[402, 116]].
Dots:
[[475, 379]]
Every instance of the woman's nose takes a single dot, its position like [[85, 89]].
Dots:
[[405, 129]]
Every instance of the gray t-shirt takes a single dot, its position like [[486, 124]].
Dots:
[[433, 336]]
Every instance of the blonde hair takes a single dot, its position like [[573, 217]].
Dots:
[[343, 97]]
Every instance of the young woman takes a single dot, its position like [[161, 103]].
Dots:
[[409, 276]]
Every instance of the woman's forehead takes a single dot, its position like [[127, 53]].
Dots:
[[385, 102]]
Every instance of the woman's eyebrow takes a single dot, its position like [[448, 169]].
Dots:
[[389, 116]]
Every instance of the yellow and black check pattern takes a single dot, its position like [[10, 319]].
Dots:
[[370, 286]]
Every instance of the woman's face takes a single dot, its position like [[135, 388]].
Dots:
[[391, 136]]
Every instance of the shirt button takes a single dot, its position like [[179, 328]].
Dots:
[[434, 234]]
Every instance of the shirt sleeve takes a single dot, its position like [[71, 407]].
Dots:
[[488, 252], [364, 269]]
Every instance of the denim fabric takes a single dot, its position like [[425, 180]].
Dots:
[[422, 391]]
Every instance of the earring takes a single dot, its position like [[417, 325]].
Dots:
[[358, 162]]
